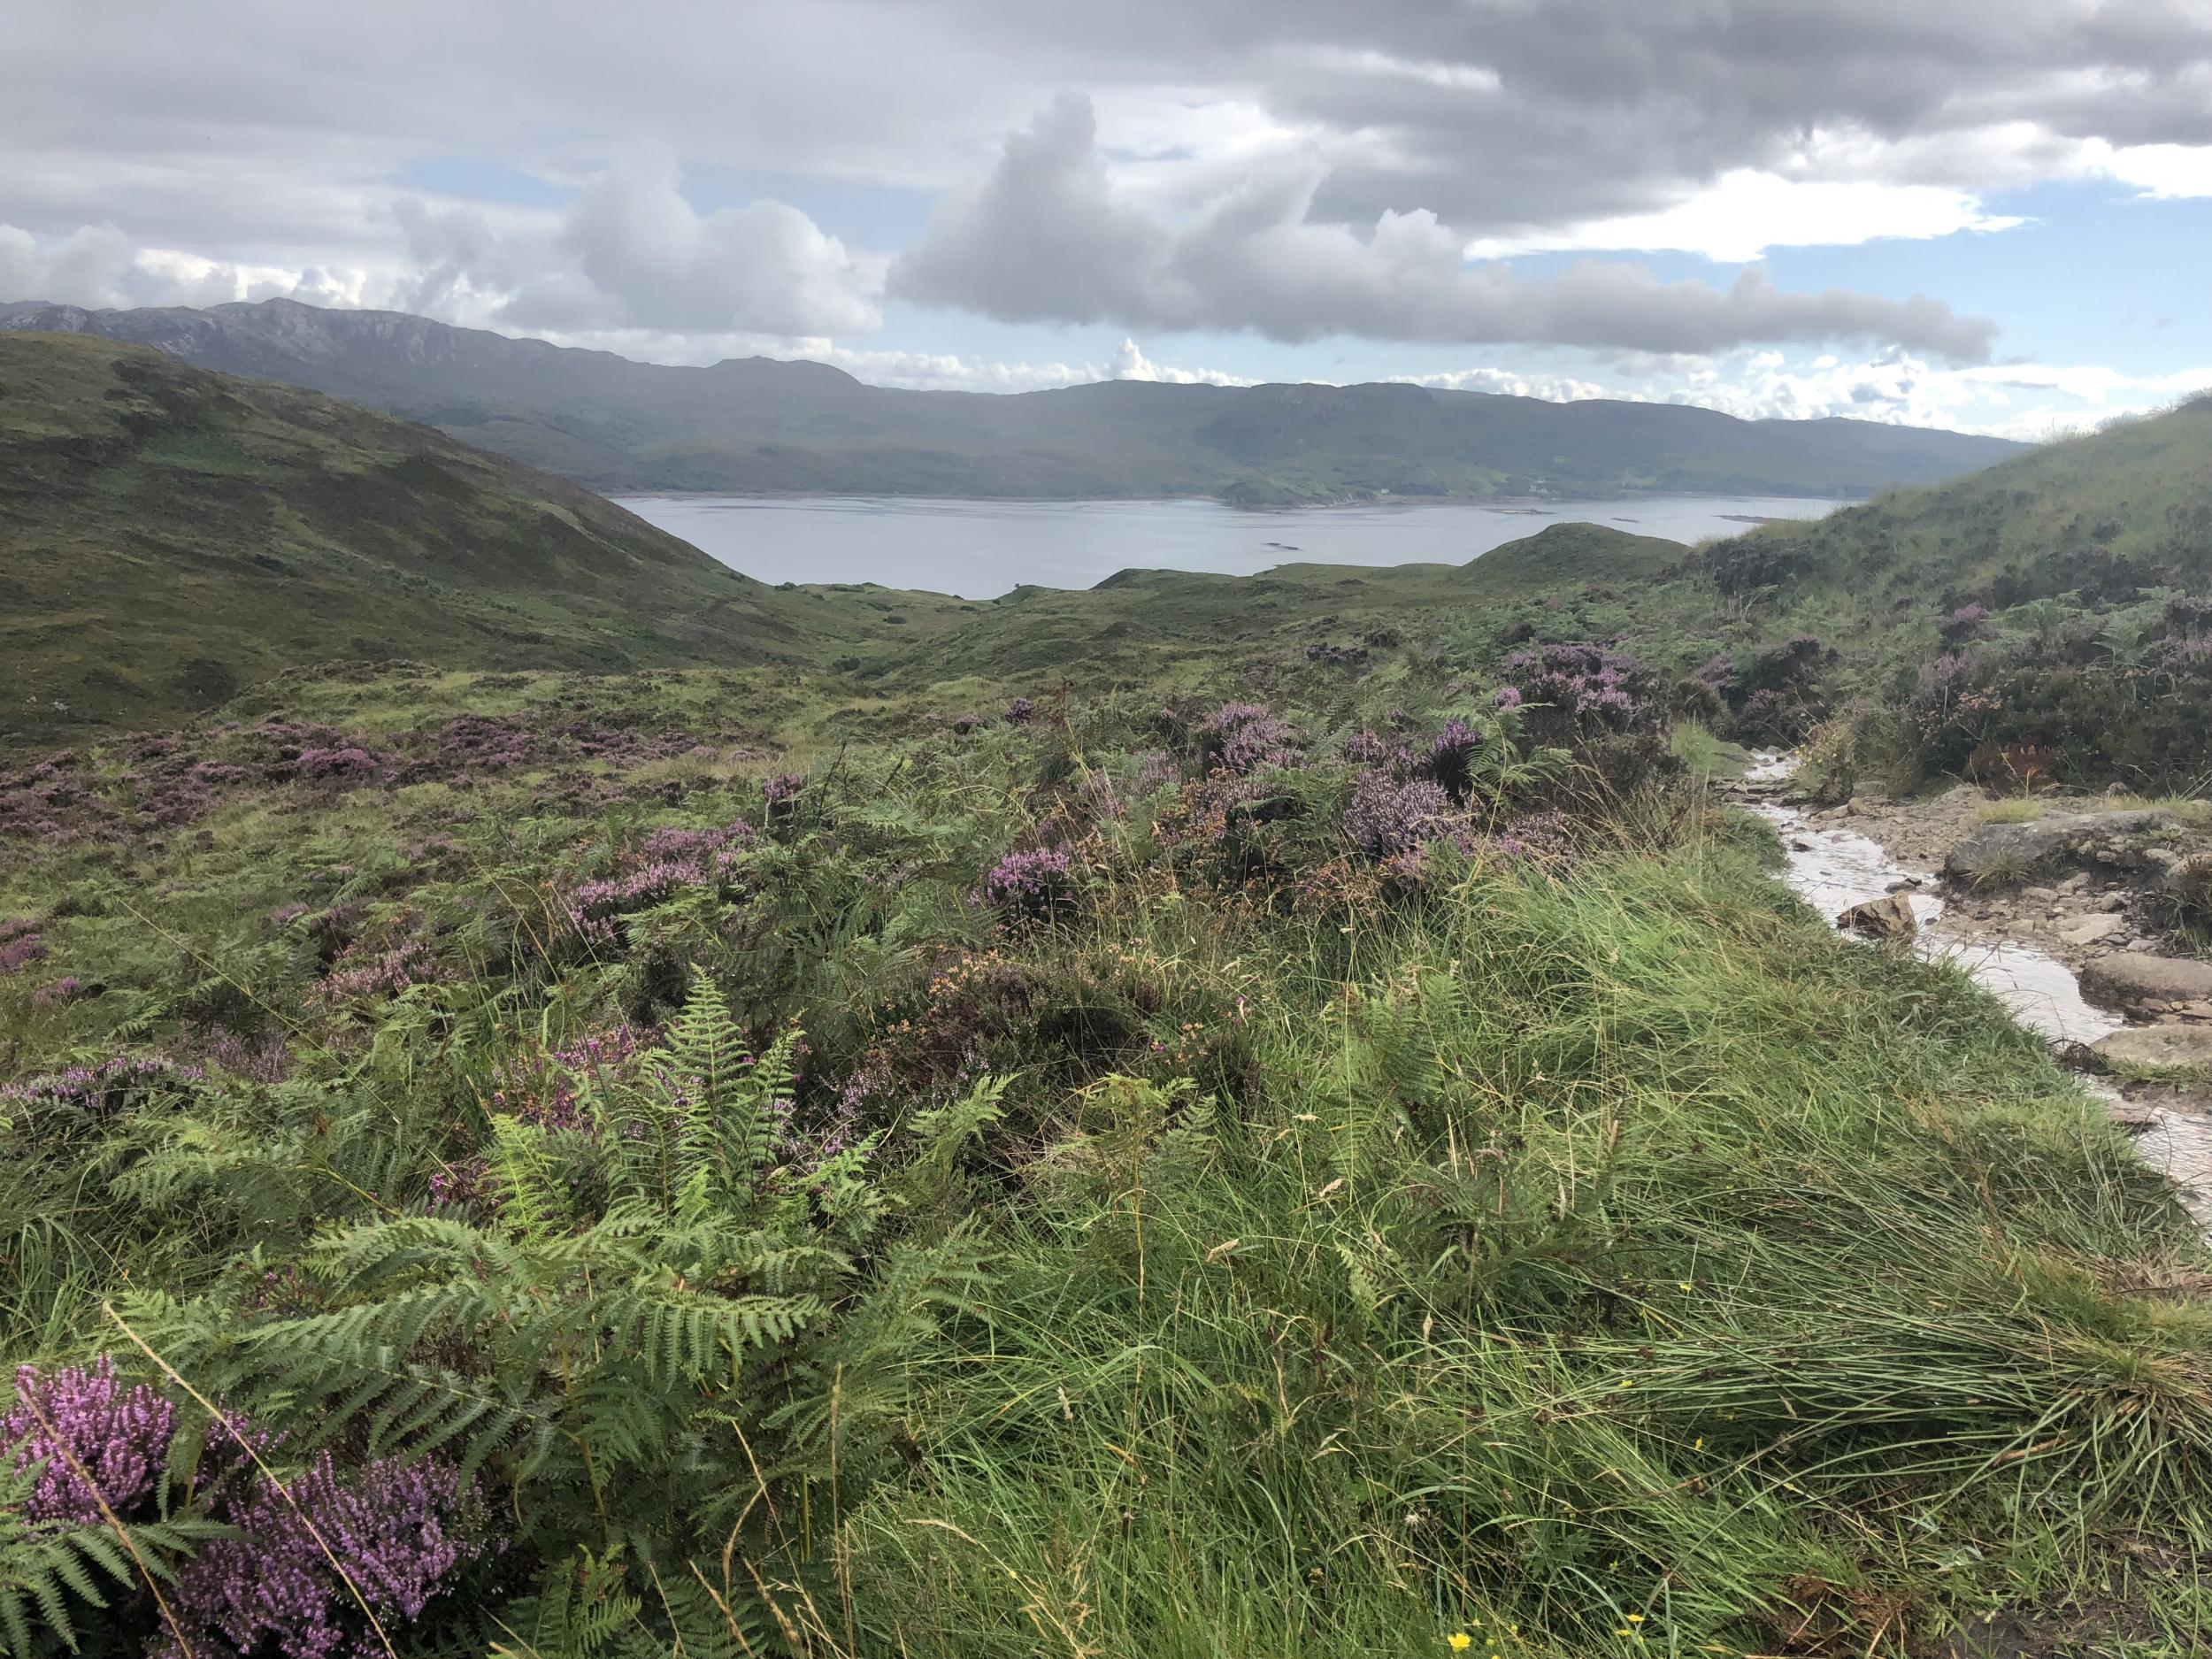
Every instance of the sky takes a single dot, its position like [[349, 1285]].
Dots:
[[1994, 215]]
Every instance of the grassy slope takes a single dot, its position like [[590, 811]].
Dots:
[[1605, 1264], [172, 534], [2142, 489]]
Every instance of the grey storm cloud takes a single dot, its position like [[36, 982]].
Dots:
[[1044, 238]]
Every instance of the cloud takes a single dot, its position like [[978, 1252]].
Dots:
[[1553, 388], [630, 252], [2015, 400], [1745, 213], [1045, 237], [99, 267]]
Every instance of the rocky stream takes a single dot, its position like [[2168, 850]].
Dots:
[[2050, 915]]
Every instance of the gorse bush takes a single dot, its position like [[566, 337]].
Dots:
[[1239, 1177]]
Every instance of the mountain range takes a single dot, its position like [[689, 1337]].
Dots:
[[760, 425]]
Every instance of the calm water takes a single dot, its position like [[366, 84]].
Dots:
[[978, 550]]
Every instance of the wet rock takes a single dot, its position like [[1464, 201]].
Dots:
[[2165, 1045], [2094, 930], [1890, 916], [2132, 979], [1995, 850]]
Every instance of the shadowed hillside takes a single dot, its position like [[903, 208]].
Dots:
[[173, 534]]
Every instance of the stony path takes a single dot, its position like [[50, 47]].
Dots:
[[2076, 946]]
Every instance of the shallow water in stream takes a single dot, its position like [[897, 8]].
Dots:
[[1835, 869]]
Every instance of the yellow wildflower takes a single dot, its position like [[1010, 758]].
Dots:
[[1459, 1641]]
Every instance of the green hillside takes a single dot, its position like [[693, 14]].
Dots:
[[170, 536], [2137, 495]]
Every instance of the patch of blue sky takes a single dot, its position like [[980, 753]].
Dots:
[[473, 179], [881, 217]]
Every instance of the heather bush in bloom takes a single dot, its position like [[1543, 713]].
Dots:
[[1029, 884], [1020, 712], [1362, 747], [781, 793], [118, 1435], [1583, 690], [396, 1529], [545, 1087], [1388, 816], [1239, 737]]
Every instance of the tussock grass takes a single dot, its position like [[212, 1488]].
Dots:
[[1606, 1248]]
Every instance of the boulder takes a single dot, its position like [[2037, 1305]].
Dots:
[[2093, 930], [2015, 849], [2166, 1045], [1890, 916], [2131, 978]]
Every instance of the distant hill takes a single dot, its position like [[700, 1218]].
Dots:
[[169, 534], [759, 424]]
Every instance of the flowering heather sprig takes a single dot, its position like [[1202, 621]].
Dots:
[[1547, 837], [119, 1436], [103, 1089], [1020, 712], [639, 889], [1362, 747], [227, 1051], [1029, 883], [270, 1588], [357, 974], [1507, 697], [544, 1089], [675, 841], [1241, 737], [1389, 817], [68, 989], [19, 952]]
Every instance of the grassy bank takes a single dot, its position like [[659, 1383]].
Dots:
[[1091, 1179]]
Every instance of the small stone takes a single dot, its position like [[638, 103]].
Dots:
[[2113, 902], [2044, 893], [1888, 917]]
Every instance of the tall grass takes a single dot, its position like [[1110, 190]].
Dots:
[[1608, 1267]]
